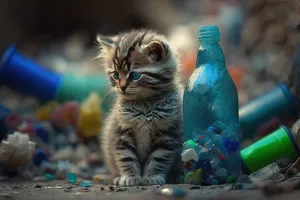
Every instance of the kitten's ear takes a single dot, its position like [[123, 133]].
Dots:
[[156, 50], [105, 42]]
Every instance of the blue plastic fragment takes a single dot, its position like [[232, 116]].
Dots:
[[42, 133], [49, 176], [86, 184], [4, 112], [72, 177], [39, 156], [211, 180], [178, 192], [203, 164], [231, 145]]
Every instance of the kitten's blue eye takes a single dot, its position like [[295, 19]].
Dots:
[[116, 75], [136, 75]]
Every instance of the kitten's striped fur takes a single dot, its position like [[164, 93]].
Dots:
[[141, 139]]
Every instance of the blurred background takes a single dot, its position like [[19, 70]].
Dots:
[[259, 37]]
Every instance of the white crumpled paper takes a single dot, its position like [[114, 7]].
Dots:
[[17, 150]]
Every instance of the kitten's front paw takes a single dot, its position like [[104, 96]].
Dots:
[[153, 180], [126, 181]]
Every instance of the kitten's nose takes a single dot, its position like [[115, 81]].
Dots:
[[123, 88]]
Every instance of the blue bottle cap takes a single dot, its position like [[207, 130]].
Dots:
[[42, 133], [26, 76], [39, 156]]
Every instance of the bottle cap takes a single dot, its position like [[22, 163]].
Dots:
[[269, 149], [208, 33]]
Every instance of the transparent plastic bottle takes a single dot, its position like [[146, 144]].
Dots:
[[210, 97]]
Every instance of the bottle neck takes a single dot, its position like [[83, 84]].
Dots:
[[210, 52]]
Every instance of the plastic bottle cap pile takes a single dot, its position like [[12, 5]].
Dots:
[[58, 139]]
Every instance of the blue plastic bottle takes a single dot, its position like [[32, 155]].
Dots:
[[210, 100]]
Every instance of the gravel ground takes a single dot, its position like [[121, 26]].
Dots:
[[61, 190]]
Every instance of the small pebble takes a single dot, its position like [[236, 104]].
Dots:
[[39, 178], [85, 189], [37, 186], [195, 188], [17, 187], [294, 171], [278, 178], [69, 189], [100, 177], [111, 188], [86, 184], [77, 194], [121, 189]]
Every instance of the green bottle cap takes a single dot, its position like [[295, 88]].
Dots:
[[279, 144]]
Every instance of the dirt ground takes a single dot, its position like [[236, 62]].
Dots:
[[60, 190]]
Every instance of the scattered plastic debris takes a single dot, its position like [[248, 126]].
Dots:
[[269, 172], [62, 118]]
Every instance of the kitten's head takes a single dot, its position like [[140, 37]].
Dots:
[[139, 64]]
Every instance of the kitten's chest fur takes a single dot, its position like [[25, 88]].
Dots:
[[147, 119]]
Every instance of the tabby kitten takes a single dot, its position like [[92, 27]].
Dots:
[[141, 138]]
